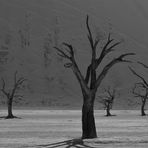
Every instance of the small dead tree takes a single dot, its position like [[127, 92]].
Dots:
[[142, 86], [107, 100], [91, 81], [140, 95], [11, 94]]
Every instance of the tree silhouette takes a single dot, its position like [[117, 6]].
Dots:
[[11, 94], [140, 89], [108, 99], [90, 83]]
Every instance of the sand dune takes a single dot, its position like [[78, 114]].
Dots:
[[48, 23]]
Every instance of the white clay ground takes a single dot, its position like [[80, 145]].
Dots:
[[57, 128]]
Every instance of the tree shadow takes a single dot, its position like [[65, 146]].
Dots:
[[6, 117], [112, 115], [2, 117], [14, 117], [144, 115], [74, 143], [139, 115]]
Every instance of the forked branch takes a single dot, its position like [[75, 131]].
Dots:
[[106, 49], [17, 82], [109, 66], [139, 76], [72, 64], [62, 53]]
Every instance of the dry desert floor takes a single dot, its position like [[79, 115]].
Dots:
[[62, 129]]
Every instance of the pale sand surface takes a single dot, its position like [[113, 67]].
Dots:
[[56, 129]]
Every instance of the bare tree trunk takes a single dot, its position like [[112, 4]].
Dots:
[[142, 108], [10, 115], [108, 111], [88, 121]]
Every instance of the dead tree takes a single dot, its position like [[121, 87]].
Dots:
[[143, 86], [11, 94], [90, 82], [107, 100], [143, 97]]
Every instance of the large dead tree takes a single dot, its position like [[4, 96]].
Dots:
[[138, 89], [108, 99], [11, 93], [91, 81]]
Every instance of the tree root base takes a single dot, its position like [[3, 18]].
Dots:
[[12, 117]]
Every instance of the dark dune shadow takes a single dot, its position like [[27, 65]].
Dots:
[[74, 143]]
